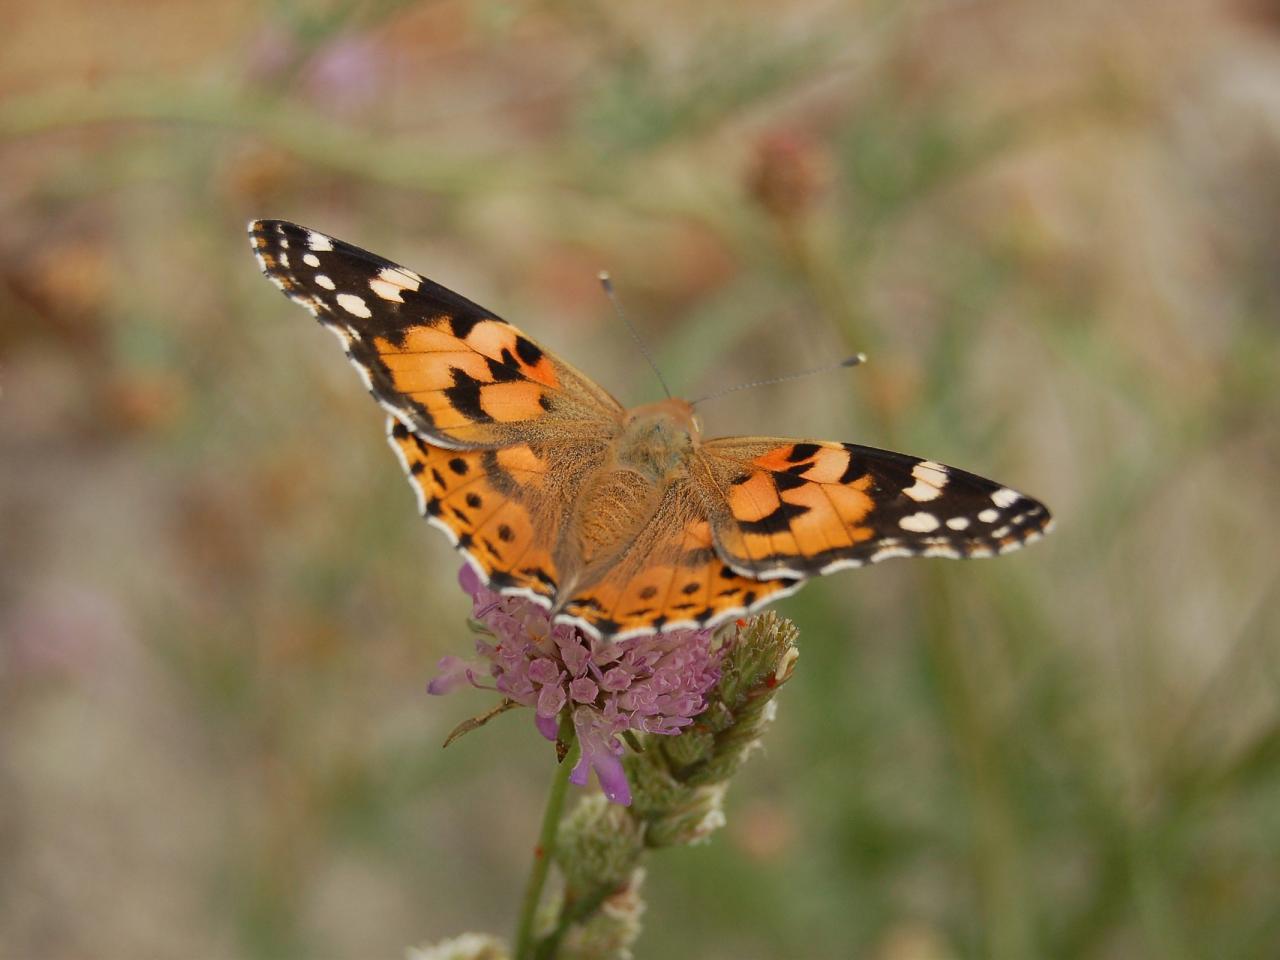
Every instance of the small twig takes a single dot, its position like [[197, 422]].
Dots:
[[475, 723]]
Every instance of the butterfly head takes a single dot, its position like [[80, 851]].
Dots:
[[658, 437]]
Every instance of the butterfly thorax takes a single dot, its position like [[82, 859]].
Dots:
[[656, 440], [621, 496]]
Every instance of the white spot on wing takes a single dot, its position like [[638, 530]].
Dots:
[[583, 625], [989, 515], [324, 281], [354, 305], [398, 277], [930, 478], [543, 601], [835, 565], [958, 523], [311, 260], [318, 241], [387, 291], [1004, 497], [889, 552], [919, 522], [950, 553]]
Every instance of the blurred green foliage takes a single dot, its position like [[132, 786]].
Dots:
[[1053, 229]]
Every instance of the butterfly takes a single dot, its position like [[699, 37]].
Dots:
[[624, 522]]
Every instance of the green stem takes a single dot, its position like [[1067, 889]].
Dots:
[[546, 848], [569, 915]]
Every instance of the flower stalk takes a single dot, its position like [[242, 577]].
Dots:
[[546, 848]]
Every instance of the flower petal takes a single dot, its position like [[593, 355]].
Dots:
[[469, 580], [547, 726], [584, 690], [616, 679], [613, 780], [544, 670], [550, 700], [454, 672], [600, 751]]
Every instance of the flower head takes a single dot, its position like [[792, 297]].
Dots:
[[653, 684]]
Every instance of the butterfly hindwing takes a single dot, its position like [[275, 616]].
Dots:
[[786, 508], [452, 371], [669, 577], [486, 503]]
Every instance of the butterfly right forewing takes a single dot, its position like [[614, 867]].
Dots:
[[788, 508]]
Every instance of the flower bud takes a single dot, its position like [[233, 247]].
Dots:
[[599, 846], [788, 174]]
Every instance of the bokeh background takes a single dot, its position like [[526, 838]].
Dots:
[[1054, 228]]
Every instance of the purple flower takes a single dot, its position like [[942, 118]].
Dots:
[[653, 684]]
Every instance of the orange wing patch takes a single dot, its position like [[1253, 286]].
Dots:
[[462, 382], [460, 492], [783, 511]]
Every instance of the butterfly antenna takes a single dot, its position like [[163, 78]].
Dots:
[[607, 283], [853, 361]]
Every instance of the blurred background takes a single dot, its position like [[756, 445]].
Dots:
[[1053, 227]]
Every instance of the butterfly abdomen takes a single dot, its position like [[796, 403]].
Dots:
[[614, 505]]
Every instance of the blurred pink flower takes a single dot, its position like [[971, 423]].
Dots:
[[346, 74], [65, 630], [654, 684], [342, 75]]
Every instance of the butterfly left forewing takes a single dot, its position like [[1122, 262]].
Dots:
[[787, 508], [452, 371]]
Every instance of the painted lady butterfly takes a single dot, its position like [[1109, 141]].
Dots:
[[623, 522]]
